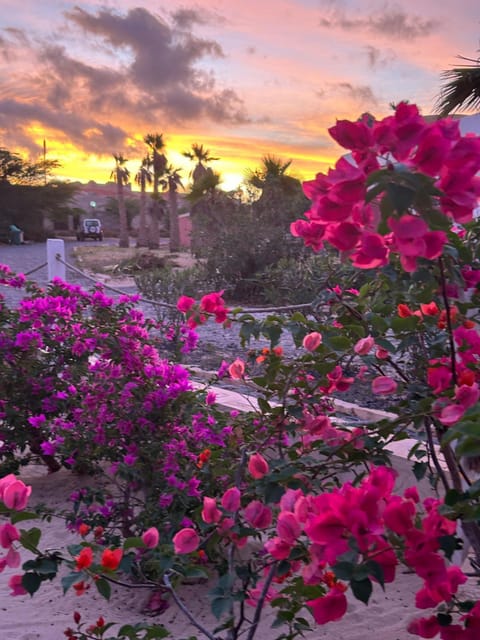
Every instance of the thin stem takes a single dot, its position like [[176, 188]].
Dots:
[[446, 302], [261, 601], [185, 610], [433, 454]]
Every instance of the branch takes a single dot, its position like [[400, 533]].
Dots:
[[185, 610]]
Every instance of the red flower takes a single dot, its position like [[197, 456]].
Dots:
[[84, 559], [111, 558]]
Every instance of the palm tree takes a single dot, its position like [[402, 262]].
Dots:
[[143, 177], [200, 155], [171, 180], [156, 144], [461, 88], [121, 176], [271, 176]]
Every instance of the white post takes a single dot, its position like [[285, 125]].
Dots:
[[56, 269]]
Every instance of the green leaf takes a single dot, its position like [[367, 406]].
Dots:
[[30, 538], [376, 571], [362, 589], [338, 343], [20, 516], [133, 542], [68, 581], [344, 570], [448, 544], [264, 405], [420, 469], [400, 196], [444, 619], [221, 605], [103, 588], [31, 582]]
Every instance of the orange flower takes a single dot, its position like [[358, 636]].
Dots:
[[84, 559], [111, 558], [467, 377], [83, 529], [81, 587], [203, 458], [468, 324], [430, 309], [442, 321], [404, 311]]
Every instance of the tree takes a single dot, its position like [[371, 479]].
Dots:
[[172, 180], [143, 177], [156, 144], [201, 156], [121, 176], [460, 88]]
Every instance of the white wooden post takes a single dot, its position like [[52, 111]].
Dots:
[[56, 269]]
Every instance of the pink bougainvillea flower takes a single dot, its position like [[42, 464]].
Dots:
[[330, 607], [258, 515], [8, 534], [210, 512], [257, 466], [344, 236], [15, 584], [372, 252], [425, 627], [355, 136], [231, 499], [14, 493], [278, 548], [237, 369], [185, 303], [467, 395], [384, 385], [288, 527], [451, 414], [312, 232], [364, 346], [150, 537], [186, 540], [312, 340]]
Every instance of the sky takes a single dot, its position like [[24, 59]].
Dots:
[[245, 78]]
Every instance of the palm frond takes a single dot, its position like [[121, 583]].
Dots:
[[461, 88]]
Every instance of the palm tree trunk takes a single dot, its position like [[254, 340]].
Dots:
[[123, 240], [174, 226], [142, 240]]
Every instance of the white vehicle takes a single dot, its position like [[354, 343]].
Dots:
[[90, 228]]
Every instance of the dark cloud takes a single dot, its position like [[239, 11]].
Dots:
[[137, 68], [187, 18], [377, 58], [360, 93], [389, 21]]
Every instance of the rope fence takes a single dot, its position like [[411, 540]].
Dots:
[[56, 257]]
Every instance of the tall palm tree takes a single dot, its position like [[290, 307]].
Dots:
[[156, 144], [460, 88], [171, 180], [201, 156], [143, 178], [121, 176], [272, 175]]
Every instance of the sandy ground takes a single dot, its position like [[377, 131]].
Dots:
[[49, 613]]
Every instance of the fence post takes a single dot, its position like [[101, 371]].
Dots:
[[56, 269]]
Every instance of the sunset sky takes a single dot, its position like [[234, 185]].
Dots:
[[245, 78]]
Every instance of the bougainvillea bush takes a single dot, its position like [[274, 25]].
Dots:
[[284, 504]]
